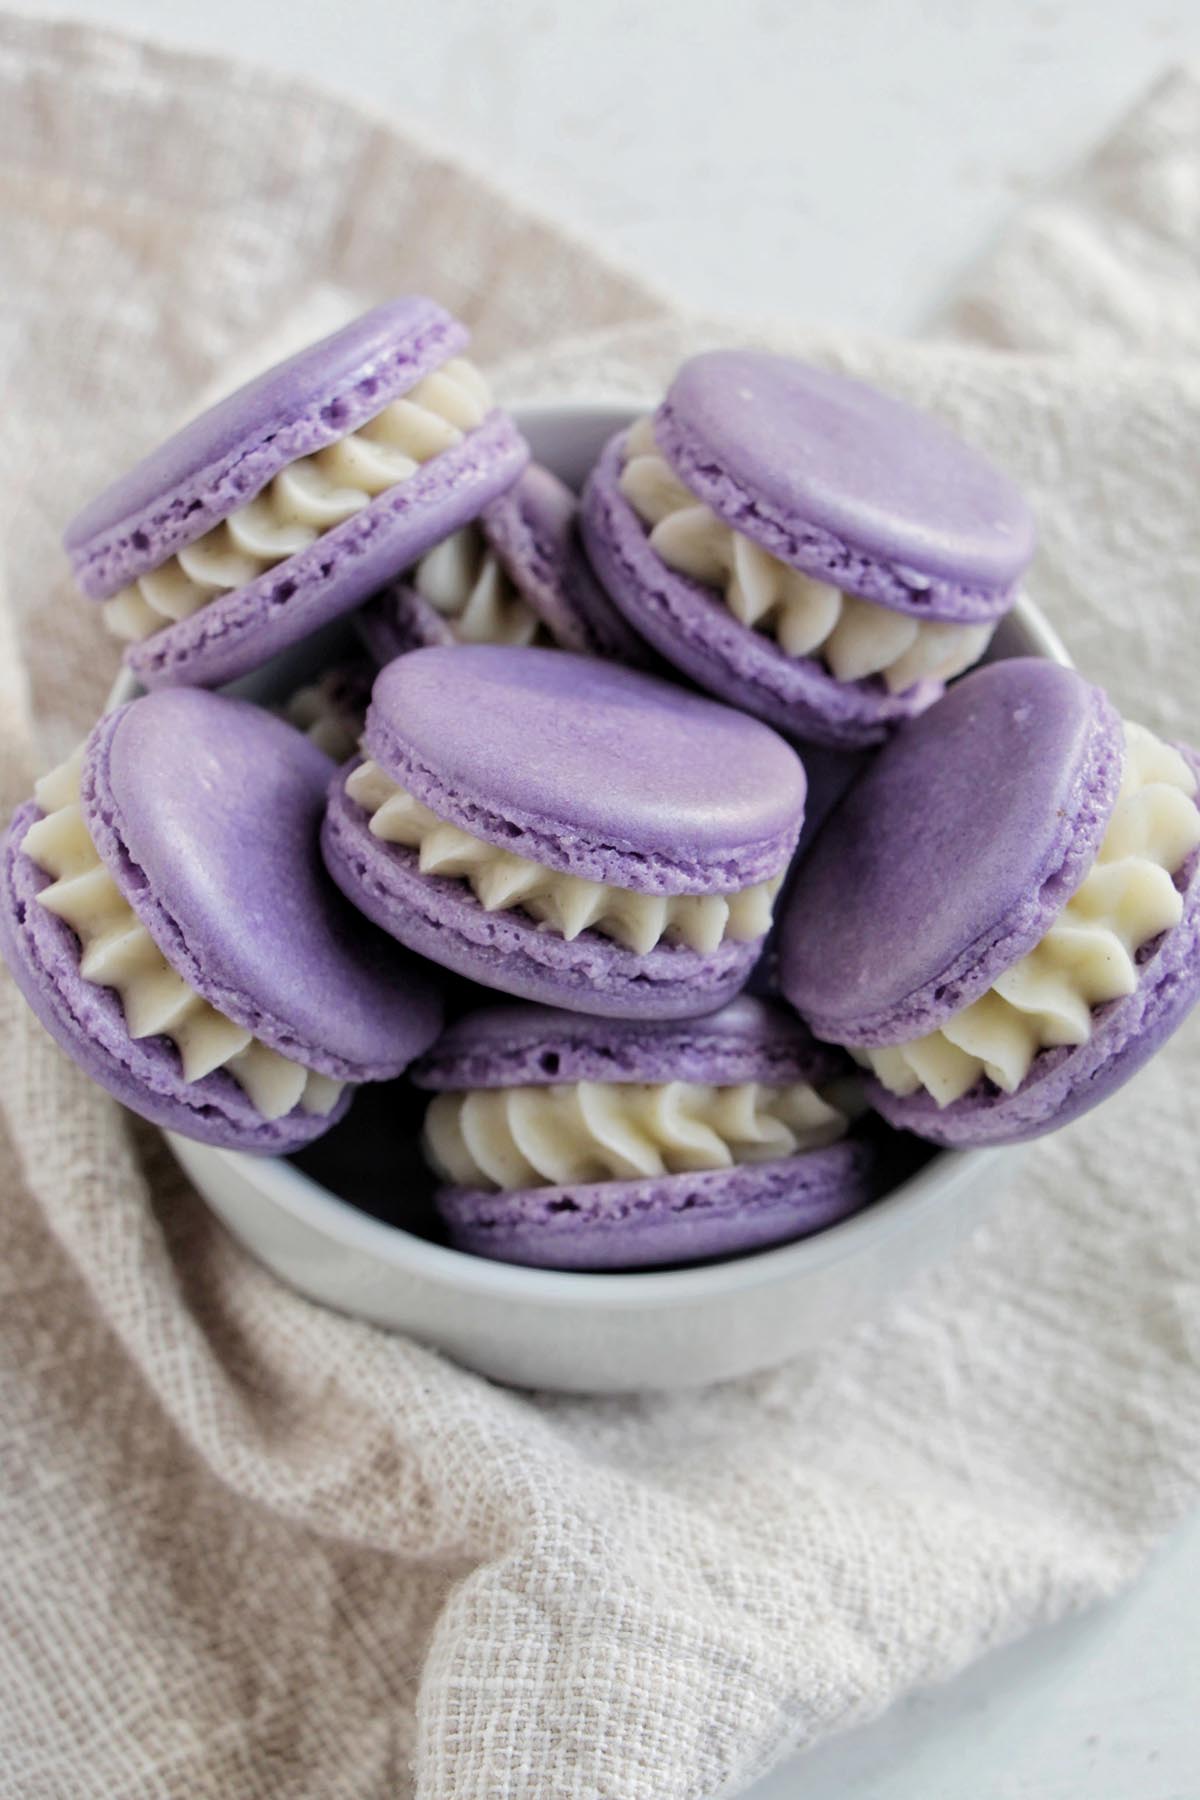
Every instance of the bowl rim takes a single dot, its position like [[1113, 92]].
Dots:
[[311, 1204], [294, 1192]]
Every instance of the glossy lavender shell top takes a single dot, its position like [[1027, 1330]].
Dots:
[[846, 482], [220, 460], [951, 856], [589, 767], [206, 811]]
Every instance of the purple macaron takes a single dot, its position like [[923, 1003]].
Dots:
[[565, 829], [804, 546], [167, 917], [571, 1142], [516, 575], [1002, 919], [296, 497]]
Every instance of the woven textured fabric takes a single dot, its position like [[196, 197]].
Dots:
[[254, 1549]]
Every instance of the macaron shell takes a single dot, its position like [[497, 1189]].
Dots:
[[397, 620], [513, 1046], [950, 857], [665, 1220], [241, 630], [441, 919], [534, 531], [1067, 1082], [847, 483], [222, 459], [87, 1022], [549, 755], [206, 811], [692, 628]]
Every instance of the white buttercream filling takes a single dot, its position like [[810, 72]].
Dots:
[[854, 637], [305, 499], [116, 951], [584, 1131], [321, 711], [566, 904], [462, 579], [1086, 958]]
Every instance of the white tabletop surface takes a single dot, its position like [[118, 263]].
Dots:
[[841, 161]]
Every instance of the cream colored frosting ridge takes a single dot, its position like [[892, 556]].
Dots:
[[462, 579], [852, 636], [117, 951], [320, 711], [583, 1131], [305, 499], [568, 904], [1088, 955]]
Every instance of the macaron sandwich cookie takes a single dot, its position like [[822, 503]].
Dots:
[[805, 546], [584, 1143], [516, 575], [1002, 919], [565, 829], [296, 497], [166, 914]]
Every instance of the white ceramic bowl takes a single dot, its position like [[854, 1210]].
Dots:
[[595, 1333]]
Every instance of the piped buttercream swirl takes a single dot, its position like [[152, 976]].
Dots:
[[854, 637], [304, 500], [567, 904], [462, 579], [116, 951], [585, 1131], [1086, 958]]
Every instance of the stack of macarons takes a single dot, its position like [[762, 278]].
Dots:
[[527, 829]]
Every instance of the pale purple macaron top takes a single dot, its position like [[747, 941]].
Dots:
[[952, 855], [221, 459], [509, 1046], [206, 811], [588, 767], [847, 483]]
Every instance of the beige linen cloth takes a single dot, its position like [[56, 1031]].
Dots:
[[253, 1549]]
